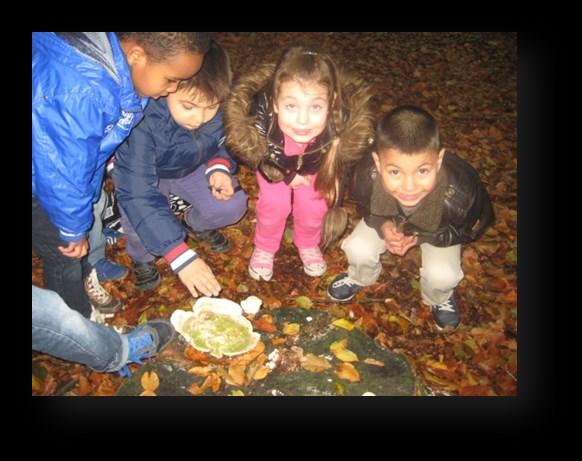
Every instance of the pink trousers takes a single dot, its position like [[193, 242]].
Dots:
[[276, 201]]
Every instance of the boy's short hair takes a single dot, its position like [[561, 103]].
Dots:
[[159, 46], [408, 129], [214, 79]]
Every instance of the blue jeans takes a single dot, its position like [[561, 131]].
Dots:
[[61, 274], [207, 213], [64, 333], [96, 238]]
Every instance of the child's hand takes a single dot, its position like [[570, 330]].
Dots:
[[197, 276], [75, 249], [396, 242], [392, 236], [403, 246], [299, 181], [221, 185]]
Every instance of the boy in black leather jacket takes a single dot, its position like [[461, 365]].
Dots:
[[410, 192]]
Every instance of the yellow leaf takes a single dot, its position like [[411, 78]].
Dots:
[[403, 324], [261, 373], [346, 355], [291, 329], [343, 323], [148, 393], [303, 302], [36, 384], [338, 345], [237, 393], [150, 381], [348, 372], [374, 362], [435, 365], [237, 374], [201, 371], [314, 363], [84, 387]]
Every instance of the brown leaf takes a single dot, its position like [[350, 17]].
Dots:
[[374, 362], [84, 387], [236, 373], [314, 363], [148, 393], [150, 381], [201, 371], [265, 323], [348, 372]]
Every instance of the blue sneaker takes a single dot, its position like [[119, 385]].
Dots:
[[147, 341], [106, 270], [446, 314], [111, 235], [343, 288]]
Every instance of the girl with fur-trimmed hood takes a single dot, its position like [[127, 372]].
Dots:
[[302, 124]]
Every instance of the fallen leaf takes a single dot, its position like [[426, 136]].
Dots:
[[261, 373], [237, 393], [277, 341], [264, 323], [148, 393], [338, 348], [374, 362], [84, 387], [236, 373], [348, 372], [314, 363], [201, 371], [303, 302], [343, 323], [150, 381], [291, 329]]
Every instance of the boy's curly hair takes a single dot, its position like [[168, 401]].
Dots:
[[159, 46]]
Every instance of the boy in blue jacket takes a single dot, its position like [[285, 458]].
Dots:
[[178, 148], [88, 91]]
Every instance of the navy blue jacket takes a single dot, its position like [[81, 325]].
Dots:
[[159, 148]]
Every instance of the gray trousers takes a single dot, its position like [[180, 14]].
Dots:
[[440, 272]]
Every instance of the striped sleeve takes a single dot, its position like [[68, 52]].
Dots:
[[180, 256]]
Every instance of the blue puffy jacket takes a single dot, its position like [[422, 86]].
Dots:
[[83, 106], [159, 148]]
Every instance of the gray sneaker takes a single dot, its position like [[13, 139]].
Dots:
[[99, 298]]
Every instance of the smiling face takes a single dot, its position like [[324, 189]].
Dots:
[[408, 178], [302, 109], [155, 79], [190, 109]]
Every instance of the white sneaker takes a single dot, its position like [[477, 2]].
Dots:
[[99, 317]]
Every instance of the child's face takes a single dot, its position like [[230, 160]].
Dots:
[[302, 109], [408, 178], [155, 79], [191, 109]]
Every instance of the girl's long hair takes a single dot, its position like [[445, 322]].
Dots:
[[303, 65]]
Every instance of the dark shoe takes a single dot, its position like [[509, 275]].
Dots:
[[218, 242], [343, 288], [446, 314], [99, 298], [147, 341], [107, 270], [147, 276]]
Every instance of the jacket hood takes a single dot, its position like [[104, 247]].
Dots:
[[250, 146]]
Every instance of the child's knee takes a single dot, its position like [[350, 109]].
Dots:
[[443, 277], [357, 248]]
